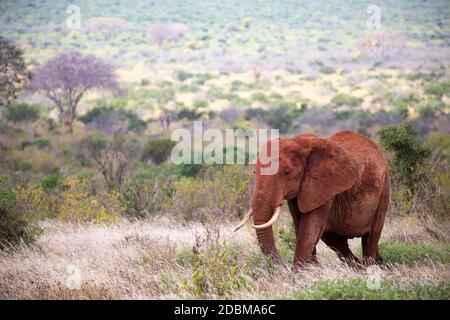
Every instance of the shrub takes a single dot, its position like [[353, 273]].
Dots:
[[40, 143], [439, 141], [259, 97], [112, 157], [327, 70], [201, 104], [157, 150], [50, 181], [145, 82], [112, 120], [183, 75], [185, 113], [83, 202], [282, 118], [216, 272], [409, 153], [22, 112], [220, 191], [438, 89], [147, 196], [346, 100], [13, 226]]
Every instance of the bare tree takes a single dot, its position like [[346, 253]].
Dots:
[[161, 33], [111, 157], [67, 77]]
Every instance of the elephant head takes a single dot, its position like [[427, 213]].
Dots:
[[311, 170]]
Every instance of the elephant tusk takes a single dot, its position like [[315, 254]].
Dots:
[[271, 221], [244, 220]]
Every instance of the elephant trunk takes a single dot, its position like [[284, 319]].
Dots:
[[263, 211]]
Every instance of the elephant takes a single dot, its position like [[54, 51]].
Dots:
[[336, 188]]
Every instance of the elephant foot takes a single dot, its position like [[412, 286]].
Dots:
[[370, 261]]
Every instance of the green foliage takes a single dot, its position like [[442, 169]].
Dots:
[[144, 197], [194, 201], [50, 181], [357, 288], [201, 104], [157, 150], [282, 118], [409, 152], [82, 202], [439, 141], [39, 143], [13, 226], [13, 70], [430, 109], [22, 112], [145, 82], [438, 89], [327, 70], [188, 114], [216, 272], [134, 123], [346, 100], [410, 254], [182, 75], [259, 97]]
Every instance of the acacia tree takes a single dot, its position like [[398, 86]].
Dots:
[[13, 73], [65, 78]]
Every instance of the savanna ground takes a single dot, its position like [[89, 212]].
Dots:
[[155, 259], [90, 204]]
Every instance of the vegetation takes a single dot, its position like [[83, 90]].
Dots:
[[107, 193]]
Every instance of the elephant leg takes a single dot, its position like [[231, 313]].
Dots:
[[295, 213], [370, 240], [310, 228], [339, 244]]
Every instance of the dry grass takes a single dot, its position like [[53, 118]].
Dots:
[[152, 259]]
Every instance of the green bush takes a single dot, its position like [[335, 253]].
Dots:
[[194, 201], [157, 150], [438, 89], [439, 141], [327, 70], [22, 112], [282, 118], [185, 113], [50, 181], [183, 75], [216, 273], [201, 104], [145, 82], [409, 153], [13, 226], [40, 143], [346, 100], [144, 197]]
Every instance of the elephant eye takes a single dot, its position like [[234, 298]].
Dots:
[[286, 172]]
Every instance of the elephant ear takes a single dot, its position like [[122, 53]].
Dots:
[[329, 171]]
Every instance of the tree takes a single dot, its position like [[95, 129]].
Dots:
[[163, 33], [13, 73], [65, 78], [111, 157]]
